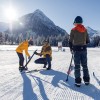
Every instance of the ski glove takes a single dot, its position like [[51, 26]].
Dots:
[[29, 57], [38, 54], [35, 53]]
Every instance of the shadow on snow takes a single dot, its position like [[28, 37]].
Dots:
[[28, 93], [58, 78], [90, 90]]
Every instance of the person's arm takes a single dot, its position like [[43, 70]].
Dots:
[[71, 40], [87, 38], [26, 51], [39, 54]]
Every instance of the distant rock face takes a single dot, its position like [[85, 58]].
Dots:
[[39, 23]]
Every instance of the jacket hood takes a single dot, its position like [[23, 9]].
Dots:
[[80, 28]]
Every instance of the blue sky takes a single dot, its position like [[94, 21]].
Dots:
[[61, 12]]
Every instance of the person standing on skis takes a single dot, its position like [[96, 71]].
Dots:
[[78, 45], [47, 55], [23, 47]]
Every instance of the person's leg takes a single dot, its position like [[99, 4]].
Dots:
[[77, 68], [41, 61], [21, 60], [48, 59], [86, 76]]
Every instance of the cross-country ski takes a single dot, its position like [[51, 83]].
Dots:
[[97, 80]]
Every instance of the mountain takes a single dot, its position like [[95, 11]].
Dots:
[[38, 23], [3, 26], [94, 36], [92, 32]]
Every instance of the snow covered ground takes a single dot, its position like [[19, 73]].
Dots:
[[46, 85]]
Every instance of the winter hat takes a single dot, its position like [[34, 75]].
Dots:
[[78, 20], [30, 42], [46, 40]]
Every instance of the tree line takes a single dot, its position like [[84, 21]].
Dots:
[[36, 39], [10, 39]]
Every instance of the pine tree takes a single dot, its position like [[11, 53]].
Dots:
[[1, 38]]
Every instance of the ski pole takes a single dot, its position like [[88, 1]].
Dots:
[[68, 72], [30, 58]]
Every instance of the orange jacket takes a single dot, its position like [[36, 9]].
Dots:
[[23, 46]]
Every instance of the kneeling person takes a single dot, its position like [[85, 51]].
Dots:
[[47, 55]]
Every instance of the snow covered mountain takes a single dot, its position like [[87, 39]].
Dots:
[[92, 32], [94, 36], [39, 23], [3, 26]]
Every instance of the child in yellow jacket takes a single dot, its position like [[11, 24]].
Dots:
[[47, 55], [22, 47]]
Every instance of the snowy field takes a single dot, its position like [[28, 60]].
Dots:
[[46, 85]]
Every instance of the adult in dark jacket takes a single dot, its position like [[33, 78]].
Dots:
[[78, 46]]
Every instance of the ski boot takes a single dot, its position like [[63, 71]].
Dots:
[[49, 68], [78, 82], [20, 67], [23, 68], [86, 80], [44, 66]]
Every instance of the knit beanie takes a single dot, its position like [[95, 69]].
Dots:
[[78, 20]]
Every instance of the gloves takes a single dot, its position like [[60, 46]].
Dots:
[[29, 57], [38, 54], [35, 53]]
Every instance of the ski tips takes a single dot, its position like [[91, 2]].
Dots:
[[98, 81]]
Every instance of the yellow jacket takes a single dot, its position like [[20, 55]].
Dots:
[[23, 46], [46, 50]]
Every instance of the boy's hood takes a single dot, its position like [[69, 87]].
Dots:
[[80, 28]]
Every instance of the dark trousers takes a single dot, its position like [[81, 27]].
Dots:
[[21, 59], [80, 58], [44, 61]]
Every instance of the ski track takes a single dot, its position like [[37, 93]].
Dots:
[[47, 85]]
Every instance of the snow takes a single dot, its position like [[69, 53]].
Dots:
[[46, 85]]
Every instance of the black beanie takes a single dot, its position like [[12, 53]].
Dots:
[[78, 20], [30, 42]]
